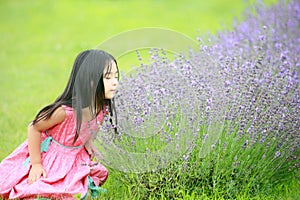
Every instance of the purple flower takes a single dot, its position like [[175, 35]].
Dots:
[[247, 78], [277, 154]]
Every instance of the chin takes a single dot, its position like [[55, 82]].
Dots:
[[109, 97]]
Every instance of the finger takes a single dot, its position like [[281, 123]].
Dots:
[[44, 174], [31, 180]]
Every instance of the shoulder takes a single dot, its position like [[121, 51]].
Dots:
[[58, 115]]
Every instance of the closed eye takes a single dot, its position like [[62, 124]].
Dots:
[[109, 75]]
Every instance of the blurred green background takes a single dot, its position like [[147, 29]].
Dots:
[[41, 38]]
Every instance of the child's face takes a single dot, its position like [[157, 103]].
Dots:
[[110, 81]]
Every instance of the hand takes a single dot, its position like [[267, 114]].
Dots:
[[35, 173], [92, 150]]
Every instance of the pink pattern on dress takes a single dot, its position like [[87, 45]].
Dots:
[[67, 168]]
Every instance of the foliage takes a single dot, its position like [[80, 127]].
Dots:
[[220, 123]]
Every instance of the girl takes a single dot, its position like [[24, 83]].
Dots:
[[56, 160]]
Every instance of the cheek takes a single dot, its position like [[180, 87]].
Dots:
[[105, 84]]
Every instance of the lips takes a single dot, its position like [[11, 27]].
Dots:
[[113, 91]]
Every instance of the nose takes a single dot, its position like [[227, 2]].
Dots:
[[115, 81]]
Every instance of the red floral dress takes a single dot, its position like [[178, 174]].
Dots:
[[68, 166]]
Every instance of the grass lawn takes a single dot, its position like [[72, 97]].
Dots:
[[40, 39]]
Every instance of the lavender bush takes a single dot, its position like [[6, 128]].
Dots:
[[221, 122]]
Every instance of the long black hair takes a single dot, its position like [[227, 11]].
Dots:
[[85, 88]]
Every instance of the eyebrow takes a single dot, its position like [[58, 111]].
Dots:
[[112, 73]]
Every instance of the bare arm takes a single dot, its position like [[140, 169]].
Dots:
[[34, 142]]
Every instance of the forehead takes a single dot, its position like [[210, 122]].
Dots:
[[111, 68]]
